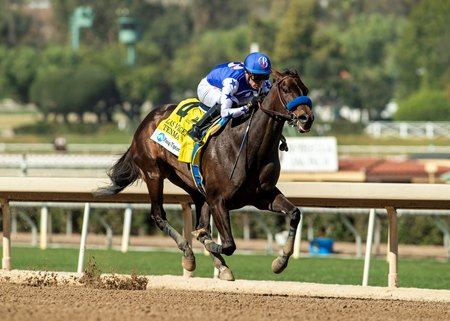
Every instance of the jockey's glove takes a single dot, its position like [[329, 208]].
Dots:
[[253, 103]]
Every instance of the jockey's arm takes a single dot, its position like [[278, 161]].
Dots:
[[227, 100]]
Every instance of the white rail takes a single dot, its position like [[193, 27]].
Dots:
[[342, 195], [427, 130]]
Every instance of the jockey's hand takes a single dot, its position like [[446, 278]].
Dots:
[[253, 103]]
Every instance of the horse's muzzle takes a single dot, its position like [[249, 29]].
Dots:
[[303, 123]]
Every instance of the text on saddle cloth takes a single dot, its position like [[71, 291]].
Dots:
[[171, 132]]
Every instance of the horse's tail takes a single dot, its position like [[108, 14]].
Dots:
[[122, 174]]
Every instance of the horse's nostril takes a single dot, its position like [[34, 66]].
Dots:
[[303, 118]]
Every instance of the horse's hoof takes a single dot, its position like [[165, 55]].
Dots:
[[188, 264], [279, 264], [225, 274]]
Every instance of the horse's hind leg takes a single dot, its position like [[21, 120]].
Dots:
[[155, 188]]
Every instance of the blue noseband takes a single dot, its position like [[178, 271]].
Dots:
[[300, 100]]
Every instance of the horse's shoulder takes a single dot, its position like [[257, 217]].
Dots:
[[162, 112]]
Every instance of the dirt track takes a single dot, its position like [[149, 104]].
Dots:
[[167, 298], [43, 297]]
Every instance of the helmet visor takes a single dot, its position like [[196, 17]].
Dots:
[[259, 77]]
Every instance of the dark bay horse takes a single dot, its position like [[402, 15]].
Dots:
[[253, 180]]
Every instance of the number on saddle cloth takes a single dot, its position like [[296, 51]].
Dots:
[[184, 109]]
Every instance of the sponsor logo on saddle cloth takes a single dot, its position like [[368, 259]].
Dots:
[[171, 133]]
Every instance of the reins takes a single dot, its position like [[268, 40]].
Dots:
[[278, 115]]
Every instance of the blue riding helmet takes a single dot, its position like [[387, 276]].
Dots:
[[257, 63]]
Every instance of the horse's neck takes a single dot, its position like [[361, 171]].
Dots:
[[264, 135]]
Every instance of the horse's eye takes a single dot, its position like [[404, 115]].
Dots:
[[285, 89]]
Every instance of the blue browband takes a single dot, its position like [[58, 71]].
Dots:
[[300, 100]]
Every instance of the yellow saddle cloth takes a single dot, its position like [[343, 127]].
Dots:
[[171, 133]]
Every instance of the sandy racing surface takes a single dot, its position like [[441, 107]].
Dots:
[[35, 296], [51, 296]]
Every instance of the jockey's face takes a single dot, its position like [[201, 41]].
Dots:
[[255, 81]]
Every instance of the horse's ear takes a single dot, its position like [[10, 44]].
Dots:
[[276, 73]]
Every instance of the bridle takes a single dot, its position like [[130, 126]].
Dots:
[[289, 116]]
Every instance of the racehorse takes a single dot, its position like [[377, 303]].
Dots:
[[240, 167]]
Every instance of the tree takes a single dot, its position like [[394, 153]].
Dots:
[[263, 31], [17, 72], [14, 24], [367, 80], [169, 30], [53, 58], [45, 94], [422, 58], [105, 26], [325, 68], [193, 61], [294, 37], [217, 14], [84, 89], [425, 105]]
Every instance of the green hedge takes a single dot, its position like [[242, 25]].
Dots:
[[426, 105]]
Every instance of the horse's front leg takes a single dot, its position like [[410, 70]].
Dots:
[[202, 233], [280, 204]]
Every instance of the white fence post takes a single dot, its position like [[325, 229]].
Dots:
[[393, 248], [429, 130], [84, 232], [368, 247], [126, 229], [44, 227]]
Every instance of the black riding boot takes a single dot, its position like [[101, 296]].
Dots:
[[196, 132]]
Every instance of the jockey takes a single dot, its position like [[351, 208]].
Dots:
[[231, 89]]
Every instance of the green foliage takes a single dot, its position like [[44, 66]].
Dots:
[[54, 58], [263, 32], [145, 81], [105, 28], [208, 15], [195, 60], [169, 30], [87, 88], [17, 72], [422, 52], [426, 105], [368, 83], [14, 25], [294, 37], [419, 230], [354, 53]]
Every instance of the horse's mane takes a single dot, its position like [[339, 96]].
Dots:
[[291, 72]]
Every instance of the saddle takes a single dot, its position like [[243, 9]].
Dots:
[[171, 133]]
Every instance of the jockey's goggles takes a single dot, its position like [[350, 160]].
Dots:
[[259, 77]]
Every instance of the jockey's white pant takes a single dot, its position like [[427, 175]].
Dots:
[[208, 94]]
